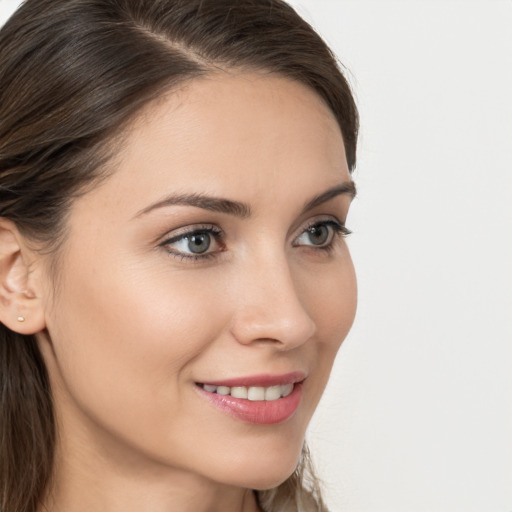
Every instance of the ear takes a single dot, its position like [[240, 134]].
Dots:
[[21, 305]]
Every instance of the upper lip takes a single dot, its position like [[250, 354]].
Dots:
[[262, 380]]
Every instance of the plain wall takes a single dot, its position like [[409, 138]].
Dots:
[[418, 413]]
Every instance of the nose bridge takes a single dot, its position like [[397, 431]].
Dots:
[[269, 306]]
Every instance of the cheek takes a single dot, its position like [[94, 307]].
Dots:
[[331, 298], [125, 347]]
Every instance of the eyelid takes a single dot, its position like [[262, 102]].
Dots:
[[323, 219], [337, 232], [192, 229], [187, 231]]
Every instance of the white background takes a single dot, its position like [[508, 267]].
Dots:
[[418, 414]]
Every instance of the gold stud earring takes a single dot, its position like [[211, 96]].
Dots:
[[21, 319]]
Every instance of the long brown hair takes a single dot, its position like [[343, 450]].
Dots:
[[73, 73]]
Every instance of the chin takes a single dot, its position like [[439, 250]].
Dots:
[[265, 469], [265, 480], [271, 480]]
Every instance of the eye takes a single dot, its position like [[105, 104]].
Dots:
[[195, 243], [198, 243], [321, 234]]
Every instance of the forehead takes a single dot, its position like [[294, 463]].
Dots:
[[229, 135]]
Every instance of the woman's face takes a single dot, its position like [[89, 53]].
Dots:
[[214, 254]]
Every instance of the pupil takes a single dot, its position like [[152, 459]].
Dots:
[[318, 234], [199, 243]]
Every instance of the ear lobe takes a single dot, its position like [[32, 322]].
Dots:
[[20, 304]]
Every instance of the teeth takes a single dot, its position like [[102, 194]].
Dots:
[[253, 393], [239, 392], [287, 389], [273, 392]]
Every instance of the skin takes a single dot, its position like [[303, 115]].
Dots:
[[133, 323]]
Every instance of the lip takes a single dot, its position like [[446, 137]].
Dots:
[[263, 380], [262, 412]]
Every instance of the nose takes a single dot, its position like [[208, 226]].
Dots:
[[268, 306]]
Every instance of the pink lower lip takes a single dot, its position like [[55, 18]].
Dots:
[[264, 412]]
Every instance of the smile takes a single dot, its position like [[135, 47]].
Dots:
[[263, 400], [254, 393]]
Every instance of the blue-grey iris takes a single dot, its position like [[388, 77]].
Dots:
[[199, 243], [318, 235]]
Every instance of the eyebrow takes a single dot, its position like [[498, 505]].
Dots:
[[214, 204], [239, 209], [345, 188]]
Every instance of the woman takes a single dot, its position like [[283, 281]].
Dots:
[[175, 284]]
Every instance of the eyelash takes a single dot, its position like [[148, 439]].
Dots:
[[214, 231], [339, 230]]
